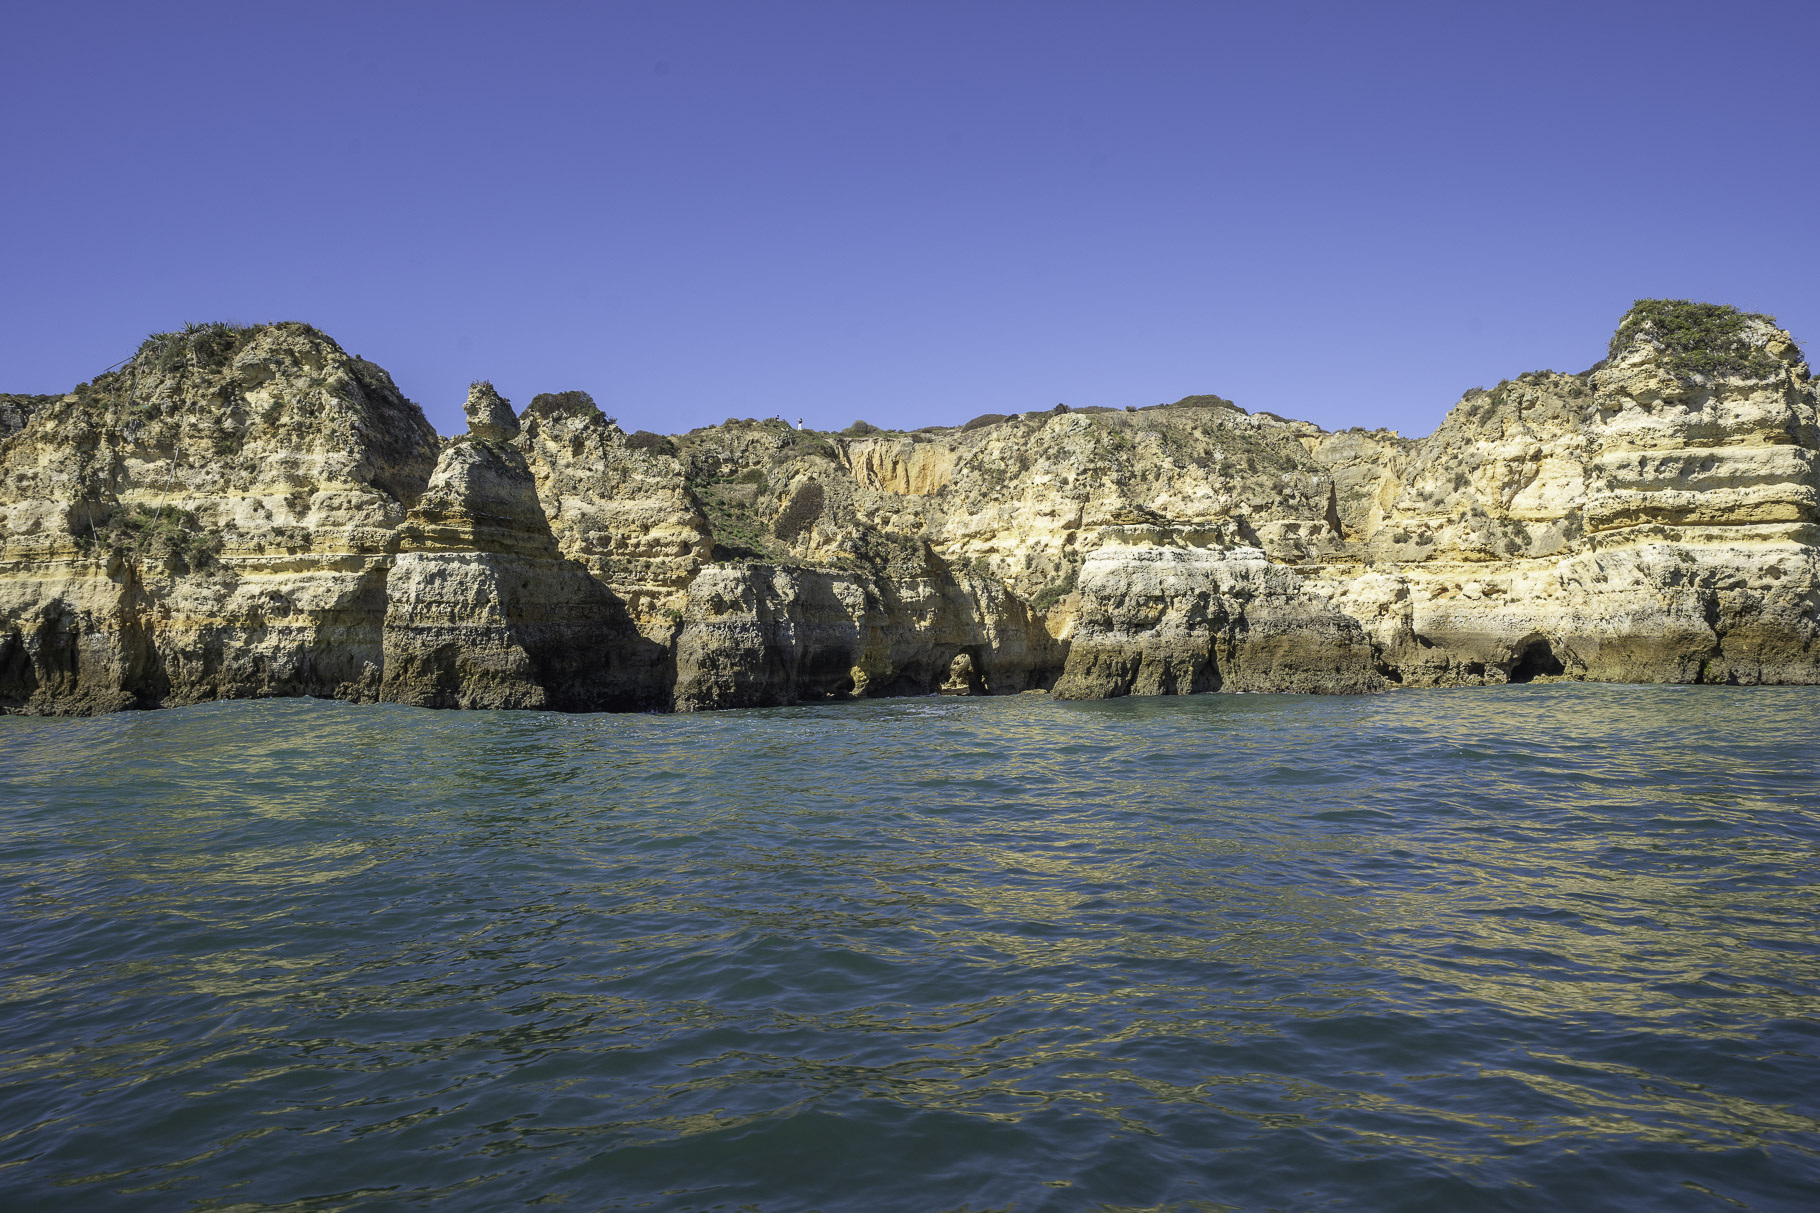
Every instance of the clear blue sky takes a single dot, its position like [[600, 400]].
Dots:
[[912, 213]]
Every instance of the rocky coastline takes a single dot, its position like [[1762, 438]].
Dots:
[[250, 511]]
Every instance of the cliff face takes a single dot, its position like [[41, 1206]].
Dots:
[[1646, 521], [484, 608], [217, 519], [243, 512]]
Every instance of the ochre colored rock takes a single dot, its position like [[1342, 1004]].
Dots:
[[252, 511]]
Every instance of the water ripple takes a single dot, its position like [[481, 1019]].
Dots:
[[1529, 948]]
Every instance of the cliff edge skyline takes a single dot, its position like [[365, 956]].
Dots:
[[252, 511]]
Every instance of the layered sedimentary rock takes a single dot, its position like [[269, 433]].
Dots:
[[251, 511], [484, 609], [217, 519]]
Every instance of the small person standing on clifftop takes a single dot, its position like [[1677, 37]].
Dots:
[[799, 423]]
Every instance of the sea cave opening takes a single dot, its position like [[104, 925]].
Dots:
[[1536, 658]]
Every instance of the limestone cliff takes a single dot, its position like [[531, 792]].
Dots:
[[484, 608], [252, 511], [216, 519]]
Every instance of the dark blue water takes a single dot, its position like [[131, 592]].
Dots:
[[1545, 947]]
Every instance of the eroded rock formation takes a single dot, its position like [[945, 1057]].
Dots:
[[252, 511]]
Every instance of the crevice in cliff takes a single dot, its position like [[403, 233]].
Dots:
[[18, 676]]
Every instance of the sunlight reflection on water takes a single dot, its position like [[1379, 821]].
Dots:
[[1532, 947]]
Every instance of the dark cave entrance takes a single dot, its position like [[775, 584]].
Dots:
[[1537, 658]]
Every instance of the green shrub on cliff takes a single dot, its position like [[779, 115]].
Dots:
[[203, 345], [563, 404], [1697, 338], [207, 346], [645, 440], [156, 533], [211, 348], [1047, 597], [1204, 401], [810, 446], [801, 512]]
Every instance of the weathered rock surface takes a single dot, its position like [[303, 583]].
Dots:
[[246, 512], [1174, 620], [216, 520], [485, 611]]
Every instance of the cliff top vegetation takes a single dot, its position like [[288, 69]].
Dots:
[[563, 404], [211, 345], [1709, 339]]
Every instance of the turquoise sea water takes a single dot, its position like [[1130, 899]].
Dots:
[[1526, 948]]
